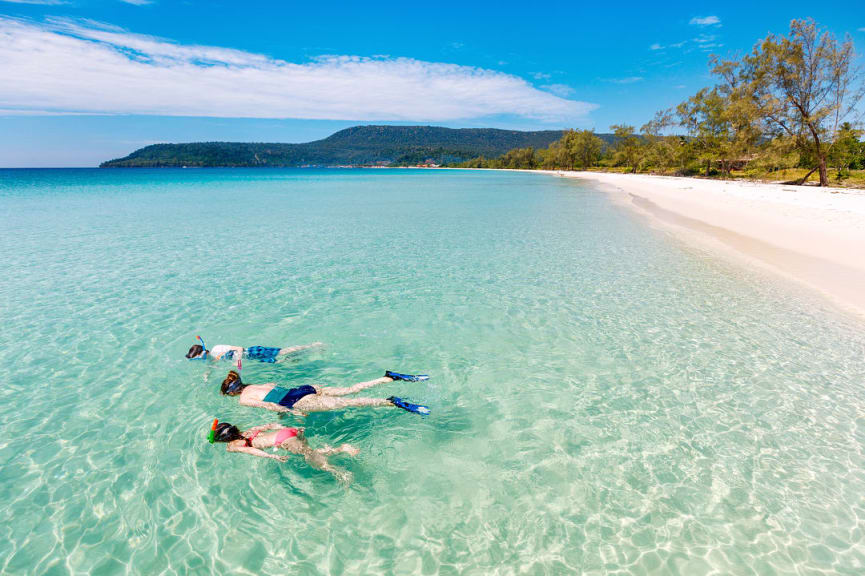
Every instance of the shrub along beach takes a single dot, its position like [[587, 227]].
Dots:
[[785, 112]]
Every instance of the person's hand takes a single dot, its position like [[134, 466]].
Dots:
[[282, 458]]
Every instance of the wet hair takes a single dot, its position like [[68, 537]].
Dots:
[[225, 432], [232, 385], [195, 351]]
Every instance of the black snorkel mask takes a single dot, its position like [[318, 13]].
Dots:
[[202, 355], [234, 387]]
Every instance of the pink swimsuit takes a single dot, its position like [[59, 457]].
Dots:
[[281, 436]]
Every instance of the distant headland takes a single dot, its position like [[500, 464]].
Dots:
[[357, 146]]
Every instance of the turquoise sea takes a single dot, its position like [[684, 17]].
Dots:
[[605, 398]]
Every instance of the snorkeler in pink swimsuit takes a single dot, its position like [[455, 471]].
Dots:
[[277, 437]]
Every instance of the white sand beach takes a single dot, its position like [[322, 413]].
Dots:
[[814, 235]]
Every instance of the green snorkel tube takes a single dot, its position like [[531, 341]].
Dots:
[[211, 436]]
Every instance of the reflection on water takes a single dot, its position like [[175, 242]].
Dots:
[[603, 397]]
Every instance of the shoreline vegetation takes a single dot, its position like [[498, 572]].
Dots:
[[366, 146], [786, 112]]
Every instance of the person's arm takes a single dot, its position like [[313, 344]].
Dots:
[[256, 452]]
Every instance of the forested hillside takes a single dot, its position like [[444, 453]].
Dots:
[[360, 145]]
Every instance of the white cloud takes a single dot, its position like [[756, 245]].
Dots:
[[707, 42], [65, 66], [625, 80], [657, 46], [705, 38], [138, 2], [705, 21], [562, 90]]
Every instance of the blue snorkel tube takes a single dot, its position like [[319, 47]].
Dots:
[[201, 340]]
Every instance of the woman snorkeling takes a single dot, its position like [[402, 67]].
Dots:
[[304, 399], [225, 352], [259, 438]]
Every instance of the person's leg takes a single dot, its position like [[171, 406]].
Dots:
[[337, 391], [293, 349], [322, 403], [318, 458], [344, 449]]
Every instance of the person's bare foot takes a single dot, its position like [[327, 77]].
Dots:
[[349, 449]]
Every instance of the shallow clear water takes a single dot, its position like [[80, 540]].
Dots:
[[604, 398]]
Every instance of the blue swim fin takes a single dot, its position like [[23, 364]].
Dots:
[[416, 408], [406, 377]]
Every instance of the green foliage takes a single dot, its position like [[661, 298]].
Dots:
[[847, 151], [576, 149], [776, 113], [803, 86], [361, 145], [628, 150]]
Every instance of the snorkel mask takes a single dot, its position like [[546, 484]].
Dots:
[[238, 382], [211, 436], [234, 386]]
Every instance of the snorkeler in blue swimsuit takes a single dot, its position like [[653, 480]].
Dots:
[[304, 399]]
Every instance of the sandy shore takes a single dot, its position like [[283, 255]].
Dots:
[[810, 234]]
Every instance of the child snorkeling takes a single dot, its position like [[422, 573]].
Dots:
[[257, 439], [234, 353]]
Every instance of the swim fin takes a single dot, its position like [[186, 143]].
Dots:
[[416, 408], [406, 377]]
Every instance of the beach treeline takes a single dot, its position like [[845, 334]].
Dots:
[[787, 110]]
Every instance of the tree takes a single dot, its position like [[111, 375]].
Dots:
[[519, 158], [627, 151], [846, 149], [742, 121], [804, 85], [776, 154], [585, 148], [575, 149], [660, 151], [557, 155], [703, 117]]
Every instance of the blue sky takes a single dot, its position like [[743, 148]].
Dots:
[[84, 81]]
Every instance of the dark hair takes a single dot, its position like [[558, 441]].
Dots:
[[225, 432], [232, 385], [195, 351]]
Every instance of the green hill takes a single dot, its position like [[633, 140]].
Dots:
[[360, 145]]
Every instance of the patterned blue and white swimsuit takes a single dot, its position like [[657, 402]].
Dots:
[[260, 353]]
